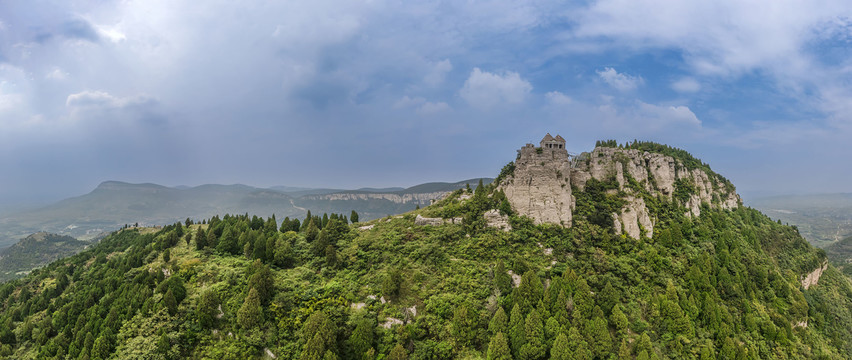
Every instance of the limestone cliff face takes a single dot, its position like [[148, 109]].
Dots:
[[656, 173], [540, 186]]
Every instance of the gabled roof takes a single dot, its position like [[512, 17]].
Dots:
[[547, 137], [558, 137]]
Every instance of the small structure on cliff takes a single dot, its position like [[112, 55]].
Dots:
[[550, 142]]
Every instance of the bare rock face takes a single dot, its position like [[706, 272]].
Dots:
[[541, 185], [494, 219], [633, 219], [812, 278]]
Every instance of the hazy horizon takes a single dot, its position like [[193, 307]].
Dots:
[[380, 94]]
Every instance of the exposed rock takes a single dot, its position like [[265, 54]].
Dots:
[[812, 278], [633, 218], [424, 221], [493, 218], [269, 353], [540, 186], [357, 306], [801, 324], [390, 322], [516, 279], [366, 227]]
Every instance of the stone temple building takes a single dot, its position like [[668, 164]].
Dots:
[[550, 142]]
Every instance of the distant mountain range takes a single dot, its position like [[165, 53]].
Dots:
[[113, 204], [822, 219]]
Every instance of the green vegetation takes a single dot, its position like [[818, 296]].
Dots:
[[724, 285], [840, 255], [36, 250]]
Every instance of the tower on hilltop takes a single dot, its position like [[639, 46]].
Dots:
[[550, 142]]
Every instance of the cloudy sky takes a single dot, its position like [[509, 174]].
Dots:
[[395, 93]]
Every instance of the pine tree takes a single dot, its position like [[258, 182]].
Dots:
[[560, 349], [353, 217], [529, 292], [517, 333], [170, 303], [502, 280], [163, 343], [619, 321], [102, 348], [361, 340], [534, 348], [624, 351], [499, 322], [311, 232], [200, 239], [498, 348], [608, 297], [584, 304], [398, 353], [167, 255], [228, 243], [207, 308], [319, 334], [249, 314], [262, 281], [578, 346]]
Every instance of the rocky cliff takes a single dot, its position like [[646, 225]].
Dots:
[[415, 198], [544, 178], [540, 186]]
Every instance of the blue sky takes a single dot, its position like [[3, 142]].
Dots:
[[395, 93]]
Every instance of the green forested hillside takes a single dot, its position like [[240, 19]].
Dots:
[[36, 250], [725, 285]]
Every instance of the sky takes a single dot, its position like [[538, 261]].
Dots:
[[377, 93]]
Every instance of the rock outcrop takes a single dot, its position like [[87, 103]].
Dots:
[[633, 219], [494, 219], [812, 278], [540, 186]]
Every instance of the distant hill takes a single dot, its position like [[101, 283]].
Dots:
[[821, 218], [34, 251], [113, 204], [840, 254]]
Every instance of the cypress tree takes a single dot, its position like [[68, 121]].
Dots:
[[624, 351], [517, 334], [498, 348], [361, 340], [353, 217], [600, 338], [249, 314], [619, 321], [529, 292], [207, 307], [579, 347], [170, 303], [311, 231], [560, 349], [398, 353], [502, 280], [534, 348], [499, 322], [200, 239]]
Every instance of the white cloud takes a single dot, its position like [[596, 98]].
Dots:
[[430, 108], [111, 33], [56, 74], [620, 81], [558, 98], [438, 72], [100, 105], [686, 85], [421, 105], [486, 90], [663, 115]]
